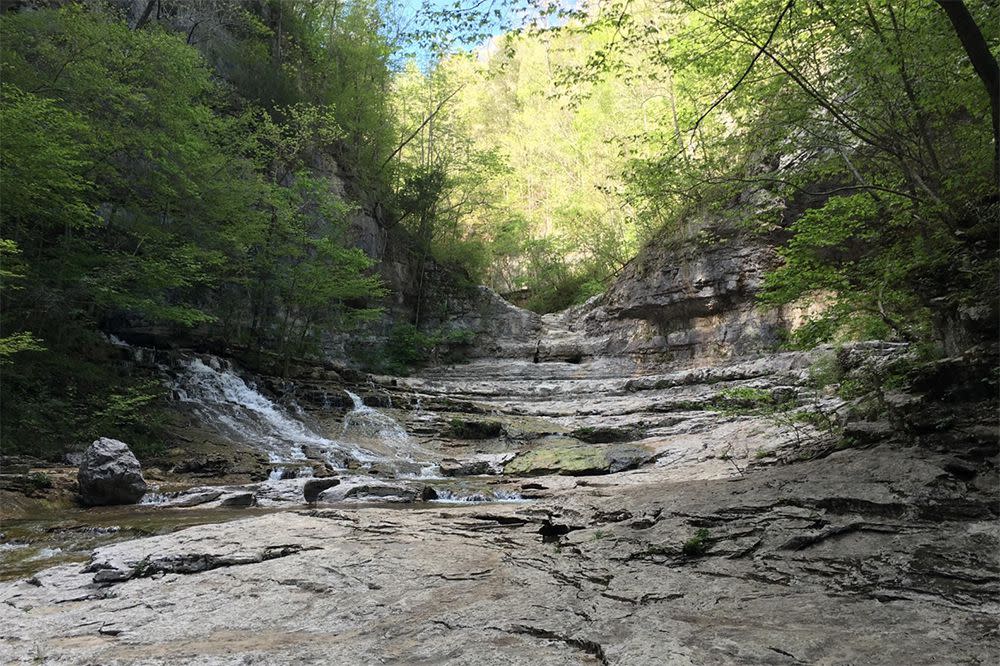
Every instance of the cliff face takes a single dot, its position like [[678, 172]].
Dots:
[[688, 299], [682, 300]]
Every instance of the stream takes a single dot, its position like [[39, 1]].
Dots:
[[362, 443], [505, 511]]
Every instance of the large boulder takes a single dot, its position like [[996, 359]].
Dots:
[[372, 490], [110, 474], [312, 488]]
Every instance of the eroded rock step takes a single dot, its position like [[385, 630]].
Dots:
[[705, 552]]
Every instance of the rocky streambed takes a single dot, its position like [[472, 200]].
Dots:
[[608, 512]]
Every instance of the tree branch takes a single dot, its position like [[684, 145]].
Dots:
[[983, 62], [145, 15], [746, 73], [422, 125]]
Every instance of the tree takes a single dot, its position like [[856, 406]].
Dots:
[[983, 62], [138, 187]]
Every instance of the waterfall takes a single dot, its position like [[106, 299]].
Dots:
[[222, 398], [380, 432], [224, 401], [369, 423]]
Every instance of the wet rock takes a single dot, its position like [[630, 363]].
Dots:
[[484, 464], [110, 474], [394, 468], [204, 466], [196, 497], [452, 467], [313, 487], [238, 500], [284, 473], [370, 490], [323, 470], [232, 497], [323, 459]]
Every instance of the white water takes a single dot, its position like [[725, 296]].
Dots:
[[222, 398], [382, 433], [368, 423], [495, 497], [284, 473], [224, 401]]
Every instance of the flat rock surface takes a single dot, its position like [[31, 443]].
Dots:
[[874, 556]]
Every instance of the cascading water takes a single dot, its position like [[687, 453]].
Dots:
[[368, 423], [222, 398], [495, 497], [380, 432]]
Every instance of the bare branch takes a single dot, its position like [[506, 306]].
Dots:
[[746, 72], [422, 125]]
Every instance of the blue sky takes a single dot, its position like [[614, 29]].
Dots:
[[499, 15]]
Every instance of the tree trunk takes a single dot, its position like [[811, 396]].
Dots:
[[145, 15], [983, 62]]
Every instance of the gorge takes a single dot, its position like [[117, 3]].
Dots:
[[505, 332], [615, 509]]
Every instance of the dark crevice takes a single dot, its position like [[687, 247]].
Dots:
[[590, 647], [188, 564]]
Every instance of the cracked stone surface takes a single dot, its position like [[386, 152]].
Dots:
[[830, 561], [733, 543]]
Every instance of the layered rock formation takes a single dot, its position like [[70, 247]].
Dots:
[[880, 557], [667, 516], [683, 301]]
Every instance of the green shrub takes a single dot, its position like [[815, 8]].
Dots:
[[39, 480], [64, 398], [408, 348], [825, 371], [744, 399], [697, 545]]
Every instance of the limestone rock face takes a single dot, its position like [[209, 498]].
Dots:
[[692, 299], [686, 300], [110, 474]]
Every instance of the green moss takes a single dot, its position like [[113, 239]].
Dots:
[[471, 429], [603, 434], [558, 460]]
